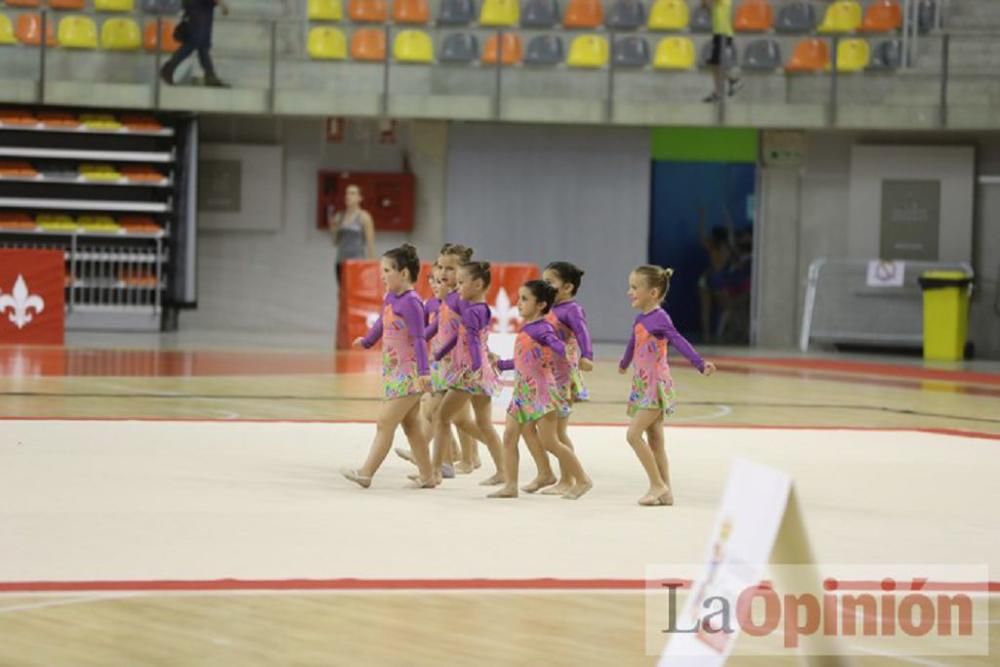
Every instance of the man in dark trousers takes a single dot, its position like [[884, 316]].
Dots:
[[195, 34]]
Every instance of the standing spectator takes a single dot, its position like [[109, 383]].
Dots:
[[722, 46], [195, 34], [353, 231]]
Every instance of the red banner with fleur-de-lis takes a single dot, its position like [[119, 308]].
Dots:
[[31, 297], [361, 296]]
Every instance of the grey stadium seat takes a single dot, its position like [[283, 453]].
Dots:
[[762, 55], [540, 14], [925, 16], [706, 51], [456, 12], [796, 18], [631, 51], [887, 55], [626, 15], [459, 48], [544, 50], [701, 20]]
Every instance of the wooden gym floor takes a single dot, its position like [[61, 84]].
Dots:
[[178, 504]]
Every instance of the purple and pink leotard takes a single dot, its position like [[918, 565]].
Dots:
[[444, 326], [570, 322], [404, 350], [537, 349], [470, 369], [652, 385]]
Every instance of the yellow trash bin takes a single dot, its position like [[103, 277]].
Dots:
[[946, 314]]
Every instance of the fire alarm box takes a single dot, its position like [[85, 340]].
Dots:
[[388, 197]]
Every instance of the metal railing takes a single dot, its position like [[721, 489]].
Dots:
[[503, 85]]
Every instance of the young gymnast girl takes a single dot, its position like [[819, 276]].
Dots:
[[470, 377], [430, 400], [405, 371], [570, 322], [538, 398], [652, 393]]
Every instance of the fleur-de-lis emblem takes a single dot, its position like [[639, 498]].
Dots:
[[504, 312], [21, 302]]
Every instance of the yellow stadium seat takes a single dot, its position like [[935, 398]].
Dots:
[[853, 55], [588, 51], [121, 34], [6, 30], [114, 5], [413, 46], [674, 53], [841, 17], [326, 10], [327, 44], [77, 32], [669, 15], [500, 13]]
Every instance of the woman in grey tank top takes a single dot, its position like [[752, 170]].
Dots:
[[353, 231]]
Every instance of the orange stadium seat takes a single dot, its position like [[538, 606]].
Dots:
[[167, 42], [883, 16], [368, 44], [411, 11], [754, 16], [367, 11], [810, 55], [583, 14], [72, 5], [24, 3], [29, 30]]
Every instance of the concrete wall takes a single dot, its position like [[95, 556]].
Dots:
[[803, 213], [545, 193]]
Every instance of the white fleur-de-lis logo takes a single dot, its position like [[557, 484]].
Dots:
[[506, 314], [21, 303]]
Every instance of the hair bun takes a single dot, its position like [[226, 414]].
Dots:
[[486, 265], [668, 272]]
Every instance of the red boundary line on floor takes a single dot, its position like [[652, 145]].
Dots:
[[541, 584], [866, 368], [984, 435]]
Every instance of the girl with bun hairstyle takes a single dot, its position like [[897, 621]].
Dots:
[[653, 394], [405, 370]]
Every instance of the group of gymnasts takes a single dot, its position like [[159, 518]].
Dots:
[[438, 375]]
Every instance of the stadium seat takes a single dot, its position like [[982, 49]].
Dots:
[[368, 44], [367, 11], [6, 30], [413, 46], [456, 12], [120, 34], [540, 14], [161, 6], [58, 119], [796, 18], [24, 3], [139, 224], [882, 16], [71, 5], [762, 55], [631, 51], [843, 16], [511, 54], [140, 122], [810, 55], [674, 53], [167, 42], [887, 55], [754, 16], [414, 12], [583, 14], [853, 55], [100, 121], [29, 30], [114, 5], [16, 168], [77, 32], [500, 13], [327, 43], [459, 48], [588, 52], [706, 53], [17, 117], [626, 15], [701, 20], [325, 10], [669, 15], [545, 50]]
